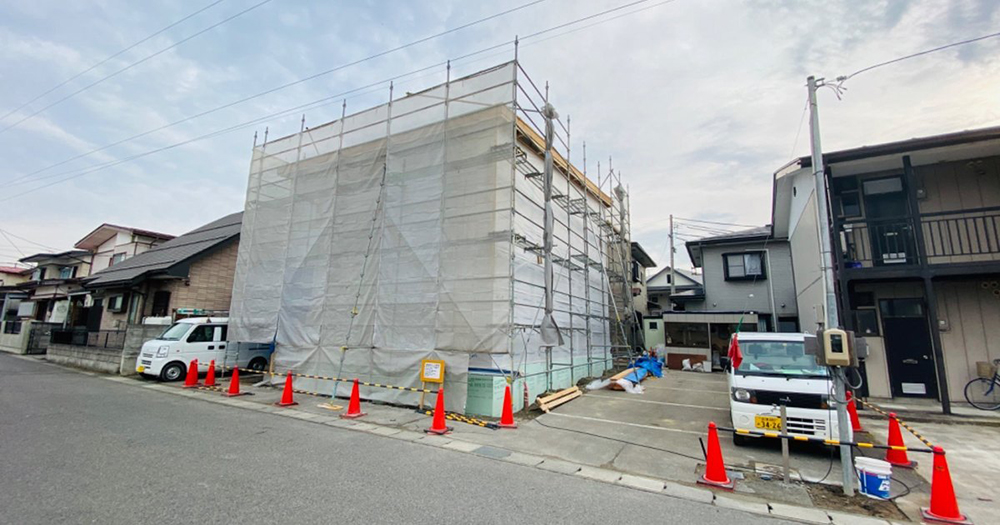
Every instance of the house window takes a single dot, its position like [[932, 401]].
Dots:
[[117, 258], [848, 201], [653, 325], [690, 335], [116, 303], [67, 272], [635, 272], [38, 274], [161, 304], [866, 322], [744, 266]]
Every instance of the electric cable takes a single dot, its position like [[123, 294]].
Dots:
[[111, 57], [585, 433], [133, 64], [286, 85], [842, 79], [715, 222]]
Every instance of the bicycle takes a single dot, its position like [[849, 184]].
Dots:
[[984, 393]]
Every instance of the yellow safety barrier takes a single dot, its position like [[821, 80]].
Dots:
[[347, 380], [834, 442], [922, 439]]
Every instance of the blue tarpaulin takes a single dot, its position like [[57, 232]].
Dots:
[[644, 366]]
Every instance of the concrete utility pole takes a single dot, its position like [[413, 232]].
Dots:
[[673, 287], [549, 330], [826, 266]]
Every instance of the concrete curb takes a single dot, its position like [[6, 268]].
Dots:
[[740, 502]]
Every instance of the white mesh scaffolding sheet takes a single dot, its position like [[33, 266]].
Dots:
[[383, 238]]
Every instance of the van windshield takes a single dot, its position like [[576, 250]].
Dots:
[[175, 332], [781, 358]]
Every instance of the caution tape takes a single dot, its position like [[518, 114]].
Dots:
[[835, 442], [346, 380], [910, 429], [465, 419]]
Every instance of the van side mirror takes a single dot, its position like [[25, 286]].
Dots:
[[724, 362]]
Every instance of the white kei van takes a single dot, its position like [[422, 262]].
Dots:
[[775, 371], [201, 338]]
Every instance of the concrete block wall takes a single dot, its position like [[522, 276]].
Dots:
[[15, 343], [98, 359], [135, 336]]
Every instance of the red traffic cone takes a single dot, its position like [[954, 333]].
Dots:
[[944, 507], [715, 467], [210, 377], [191, 380], [286, 394], [507, 417], [897, 457], [437, 425], [852, 410], [234, 384], [354, 407]]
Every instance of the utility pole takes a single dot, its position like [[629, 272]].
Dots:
[[673, 287], [826, 266]]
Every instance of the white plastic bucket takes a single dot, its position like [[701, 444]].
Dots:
[[874, 477]]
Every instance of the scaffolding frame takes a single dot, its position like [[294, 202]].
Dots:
[[591, 231]]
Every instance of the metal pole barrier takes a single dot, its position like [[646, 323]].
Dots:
[[784, 444]]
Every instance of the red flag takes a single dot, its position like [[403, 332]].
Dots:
[[735, 355]]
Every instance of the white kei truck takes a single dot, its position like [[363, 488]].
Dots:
[[776, 370], [201, 338]]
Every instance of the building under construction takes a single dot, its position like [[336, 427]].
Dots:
[[416, 230]]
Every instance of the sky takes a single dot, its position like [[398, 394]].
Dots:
[[697, 102]]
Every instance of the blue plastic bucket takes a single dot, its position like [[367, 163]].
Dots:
[[874, 477]]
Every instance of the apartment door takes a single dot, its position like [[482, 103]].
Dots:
[[908, 348], [889, 228]]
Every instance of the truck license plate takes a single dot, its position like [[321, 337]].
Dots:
[[140, 369], [767, 422]]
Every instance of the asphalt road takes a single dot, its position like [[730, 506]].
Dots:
[[81, 449]]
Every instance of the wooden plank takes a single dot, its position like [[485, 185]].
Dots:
[[564, 399]]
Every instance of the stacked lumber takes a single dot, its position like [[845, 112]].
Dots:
[[622, 375], [547, 403]]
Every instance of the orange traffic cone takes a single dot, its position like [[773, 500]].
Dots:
[[944, 507], [286, 394], [852, 410], [507, 417], [354, 407], [191, 380], [437, 425], [234, 384], [210, 377], [897, 457], [715, 467]]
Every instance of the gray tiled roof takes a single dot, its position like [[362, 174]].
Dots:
[[170, 253]]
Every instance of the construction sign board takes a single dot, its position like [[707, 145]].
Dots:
[[432, 371]]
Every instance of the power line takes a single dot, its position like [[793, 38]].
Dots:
[[136, 63], [283, 86], [715, 222], [12, 243], [5, 232], [239, 126], [914, 55], [112, 57]]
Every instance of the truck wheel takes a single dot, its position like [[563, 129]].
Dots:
[[739, 440], [172, 372], [258, 364]]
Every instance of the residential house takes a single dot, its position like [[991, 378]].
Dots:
[[12, 275], [185, 276], [916, 237], [747, 284], [110, 244], [670, 291], [54, 293], [641, 261], [192, 272]]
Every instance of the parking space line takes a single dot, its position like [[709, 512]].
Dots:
[[722, 392], [726, 409], [613, 422]]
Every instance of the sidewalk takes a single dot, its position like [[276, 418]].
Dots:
[[613, 436], [929, 411], [973, 454]]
